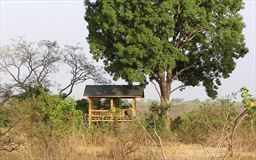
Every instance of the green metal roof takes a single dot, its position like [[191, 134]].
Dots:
[[114, 91]]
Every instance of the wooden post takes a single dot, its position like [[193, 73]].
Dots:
[[112, 104], [134, 107], [113, 108], [90, 110]]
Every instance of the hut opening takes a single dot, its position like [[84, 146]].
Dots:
[[112, 102]]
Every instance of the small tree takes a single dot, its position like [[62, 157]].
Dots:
[[191, 41]]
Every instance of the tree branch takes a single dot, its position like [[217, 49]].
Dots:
[[81, 69], [180, 72], [181, 86], [158, 92]]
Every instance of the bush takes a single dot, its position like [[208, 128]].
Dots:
[[46, 116], [157, 119], [209, 119]]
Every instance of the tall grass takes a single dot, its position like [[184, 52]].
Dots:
[[59, 136]]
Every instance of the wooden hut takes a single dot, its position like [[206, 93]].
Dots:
[[113, 93]]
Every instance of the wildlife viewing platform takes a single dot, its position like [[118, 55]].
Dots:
[[112, 94]]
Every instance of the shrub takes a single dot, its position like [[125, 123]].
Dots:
[[46, 116], [210, 118], [157, 119]]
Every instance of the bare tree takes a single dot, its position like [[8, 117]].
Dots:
[[27, 64], [80, 69]]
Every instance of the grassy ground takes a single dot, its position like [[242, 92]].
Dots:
[[77, 148], [127, 143]]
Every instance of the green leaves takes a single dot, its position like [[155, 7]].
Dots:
[[248, 101], [136, 38], [4, 118], [49, 115]]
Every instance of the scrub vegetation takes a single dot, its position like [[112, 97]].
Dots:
[[46, 126]]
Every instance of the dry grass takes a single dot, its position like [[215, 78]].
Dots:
[[127, 143], [77, 147], [81, 147]]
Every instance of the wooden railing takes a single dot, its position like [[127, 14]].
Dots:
[[109, 115]]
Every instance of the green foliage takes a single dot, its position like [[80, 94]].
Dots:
[[249, 122], [157, 118], [197, 42], [82, 105], [248, 101], [159, 110], [4, 117], [100, 103], [209, 119], [46, 116], [33, 90]]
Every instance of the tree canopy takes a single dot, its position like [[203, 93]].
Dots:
[[193, 41]]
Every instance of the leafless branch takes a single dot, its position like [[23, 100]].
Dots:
[[81, 69], [161, 144]]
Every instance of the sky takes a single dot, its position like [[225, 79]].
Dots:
[[63, 21]]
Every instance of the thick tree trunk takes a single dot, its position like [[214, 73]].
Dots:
[[165, 86], [165, 90]]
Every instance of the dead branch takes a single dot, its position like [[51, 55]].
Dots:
[[161, 144], [152, 139]]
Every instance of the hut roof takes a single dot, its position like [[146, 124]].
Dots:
[[125, 91]]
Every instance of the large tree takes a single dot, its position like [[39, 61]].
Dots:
[[191, 41]]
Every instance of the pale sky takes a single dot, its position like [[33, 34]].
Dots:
[[63, 21]]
